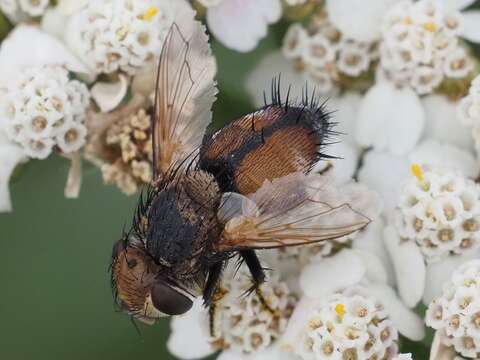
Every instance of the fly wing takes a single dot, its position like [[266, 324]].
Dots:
[[185, 92], [290, 211]]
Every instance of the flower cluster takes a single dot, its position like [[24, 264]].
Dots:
[[250, 323], [327, 56], [123, 149], [440, 211], [348, 325], [45, 109], [456, 313], [421, 45], [123, 35]]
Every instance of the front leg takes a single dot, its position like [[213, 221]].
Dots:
[[214, 274], [253, 264], [258, 276]]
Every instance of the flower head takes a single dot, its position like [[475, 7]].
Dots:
[[122, 35], [326, 55], [44, 109], [245, 323], [420, 46], [123, 148], [348, 324], [439, 211], [456, 313]]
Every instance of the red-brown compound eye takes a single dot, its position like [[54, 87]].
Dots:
[[169, 301]]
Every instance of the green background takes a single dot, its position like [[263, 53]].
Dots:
[[55, 298]]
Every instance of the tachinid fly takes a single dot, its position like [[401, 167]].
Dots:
[[247, 186]]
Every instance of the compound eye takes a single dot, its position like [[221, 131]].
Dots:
[[168, 300], [118, 248]]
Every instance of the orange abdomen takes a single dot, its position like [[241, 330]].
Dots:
[[268, 144]]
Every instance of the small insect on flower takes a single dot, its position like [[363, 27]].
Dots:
[[247, 186]]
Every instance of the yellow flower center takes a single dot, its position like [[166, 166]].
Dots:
[[417, 171], [430, 26], [340, 310], [150, 13]]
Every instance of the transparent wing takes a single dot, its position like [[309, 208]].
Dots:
[[290, 211], [185, 92]]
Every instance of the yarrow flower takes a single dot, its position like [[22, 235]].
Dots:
[[240, 322], [421, 45], [246, 324], [328, 57], [241, 24], [121, 35], [348, 325], [456, 313], [440, 212], [45, 109], [121, 144], [33, 8]]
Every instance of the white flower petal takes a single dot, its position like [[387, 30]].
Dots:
[[455, 4], [192, 326], [345, 110], [69, 7], [390, 119], [384, 173], [54, 22], [109, 95], [329, 274], [10, 156], [375, 272], [345, 166], [470, 28], [406, 321], [356, 20], [42, 49], [241, 24], [440, 272], [260, 79], [299, 318], [439, 351], [409, 267], [436, 154], [443, 124], [370, 240]]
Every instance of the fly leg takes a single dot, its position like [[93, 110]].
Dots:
[[214, 274], [258, 276]]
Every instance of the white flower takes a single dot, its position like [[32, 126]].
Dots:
[[384, 173], [356, 20], [18, 9], [325, 54], [120, 35], [240, 323], [420, 46], [241, 24], [439, 211], [444, 124], [350, 268], [43, 108], [348, 323], [16, 62], [456, 313], [390, 119], [438, 154]]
